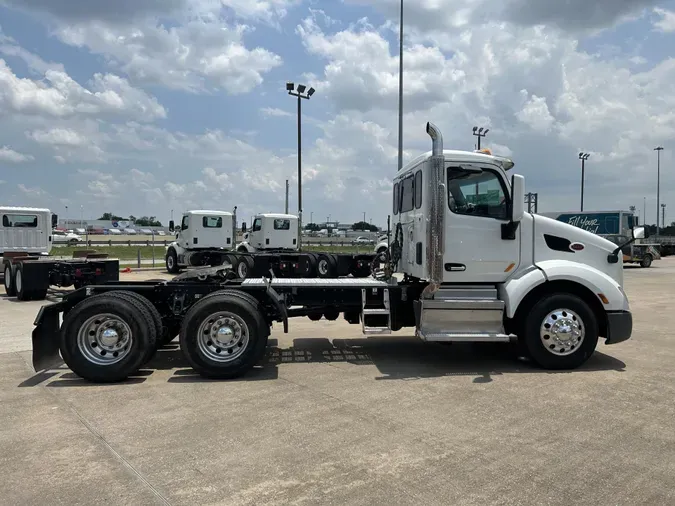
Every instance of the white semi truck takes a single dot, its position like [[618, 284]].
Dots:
[[466, 264], [207, 237], [26, 238]]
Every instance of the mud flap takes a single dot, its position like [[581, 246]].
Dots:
[[46, 338], [280, 306]]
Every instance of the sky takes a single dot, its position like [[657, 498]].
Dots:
[[142, 107]]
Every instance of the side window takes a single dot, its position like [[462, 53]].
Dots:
[[281, 224], [212, 222], [396, 200], [184, 224], [257, 225], [477, 194], [20, 220], [407, 195], [418, 189]]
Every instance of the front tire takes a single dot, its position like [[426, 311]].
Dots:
[[560, 332], [172, 262]]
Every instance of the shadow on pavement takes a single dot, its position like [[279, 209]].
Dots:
[[401, 358]]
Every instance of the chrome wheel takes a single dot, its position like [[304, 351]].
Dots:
[[562, 332], [223, 337], [169, 262], [104, 339], [242, 269], [8, 277], [18, 282], [322, 267]]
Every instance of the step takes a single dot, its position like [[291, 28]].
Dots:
[[458, 337], [466, 292], [371, 311], [459, 304], [376, 330]]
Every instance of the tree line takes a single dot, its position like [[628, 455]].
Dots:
[[143, 221]]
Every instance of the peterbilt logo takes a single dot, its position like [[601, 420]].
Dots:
[[576, 246]]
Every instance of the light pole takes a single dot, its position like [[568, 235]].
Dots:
[[286, 208], [400, 89], [311, 217], [644, 211], [663, 215], [300, 93], [658, 150], [478, 132], [583, 157]]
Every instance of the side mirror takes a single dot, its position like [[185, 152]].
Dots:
[[640, 233], [171, 226], [518, 198], [243, 227], [55, 220]]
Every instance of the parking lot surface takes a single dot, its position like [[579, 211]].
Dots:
[[332, 417]]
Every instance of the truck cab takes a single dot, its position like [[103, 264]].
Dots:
[[199, 235], [491, 270], [26, 230], [271, 231]]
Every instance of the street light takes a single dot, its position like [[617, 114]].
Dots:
[[300, 93], [478, 132], [658, 150], [663, 215], [583, 157]]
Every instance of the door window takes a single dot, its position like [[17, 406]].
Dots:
[[396, 200], [418, 189], [257, 225], [407, 190], [480, 194], [184, 224]]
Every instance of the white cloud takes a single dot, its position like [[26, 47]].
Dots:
[[535, 113], [9, 155], [60, 96], [274, 111], [32, 192], [203, 52], [666, 21]]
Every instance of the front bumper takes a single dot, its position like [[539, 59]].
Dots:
[[619, 326]]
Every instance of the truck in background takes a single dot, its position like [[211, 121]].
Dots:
[[614, 226], [26, 239], [208, 238]]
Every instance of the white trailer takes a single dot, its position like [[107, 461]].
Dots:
[[207, 237], [466, 263]]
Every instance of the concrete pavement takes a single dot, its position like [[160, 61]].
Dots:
[[333, 418]]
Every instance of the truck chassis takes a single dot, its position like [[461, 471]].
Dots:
[[30, 277], [111, 330], [280, 263]]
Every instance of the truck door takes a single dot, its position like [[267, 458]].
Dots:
[[413, 227], [478, 203]]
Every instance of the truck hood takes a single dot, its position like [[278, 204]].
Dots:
[[554, 240]]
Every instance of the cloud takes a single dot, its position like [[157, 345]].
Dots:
[[60, 96], [11, 156], [535, 113], [666, 23], [32, 192], [274, 111]]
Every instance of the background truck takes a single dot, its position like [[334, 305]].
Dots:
[[461, 267], [26, 238], [208, 238], [615, 226]]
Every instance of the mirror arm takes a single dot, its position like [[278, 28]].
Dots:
[[613, 257]]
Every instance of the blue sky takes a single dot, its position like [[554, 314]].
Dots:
[[180, 104]]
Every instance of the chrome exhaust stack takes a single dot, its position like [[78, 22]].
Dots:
[[436, 189]]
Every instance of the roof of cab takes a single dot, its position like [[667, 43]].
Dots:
[[278, 216], [10, 209], [453, 155], [209, 212]]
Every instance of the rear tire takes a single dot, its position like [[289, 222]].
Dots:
[[107, 338], [646, 261], [10, 290], [224, 335], [325, 266], [23, 292], [244, 267], [560, 332]]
